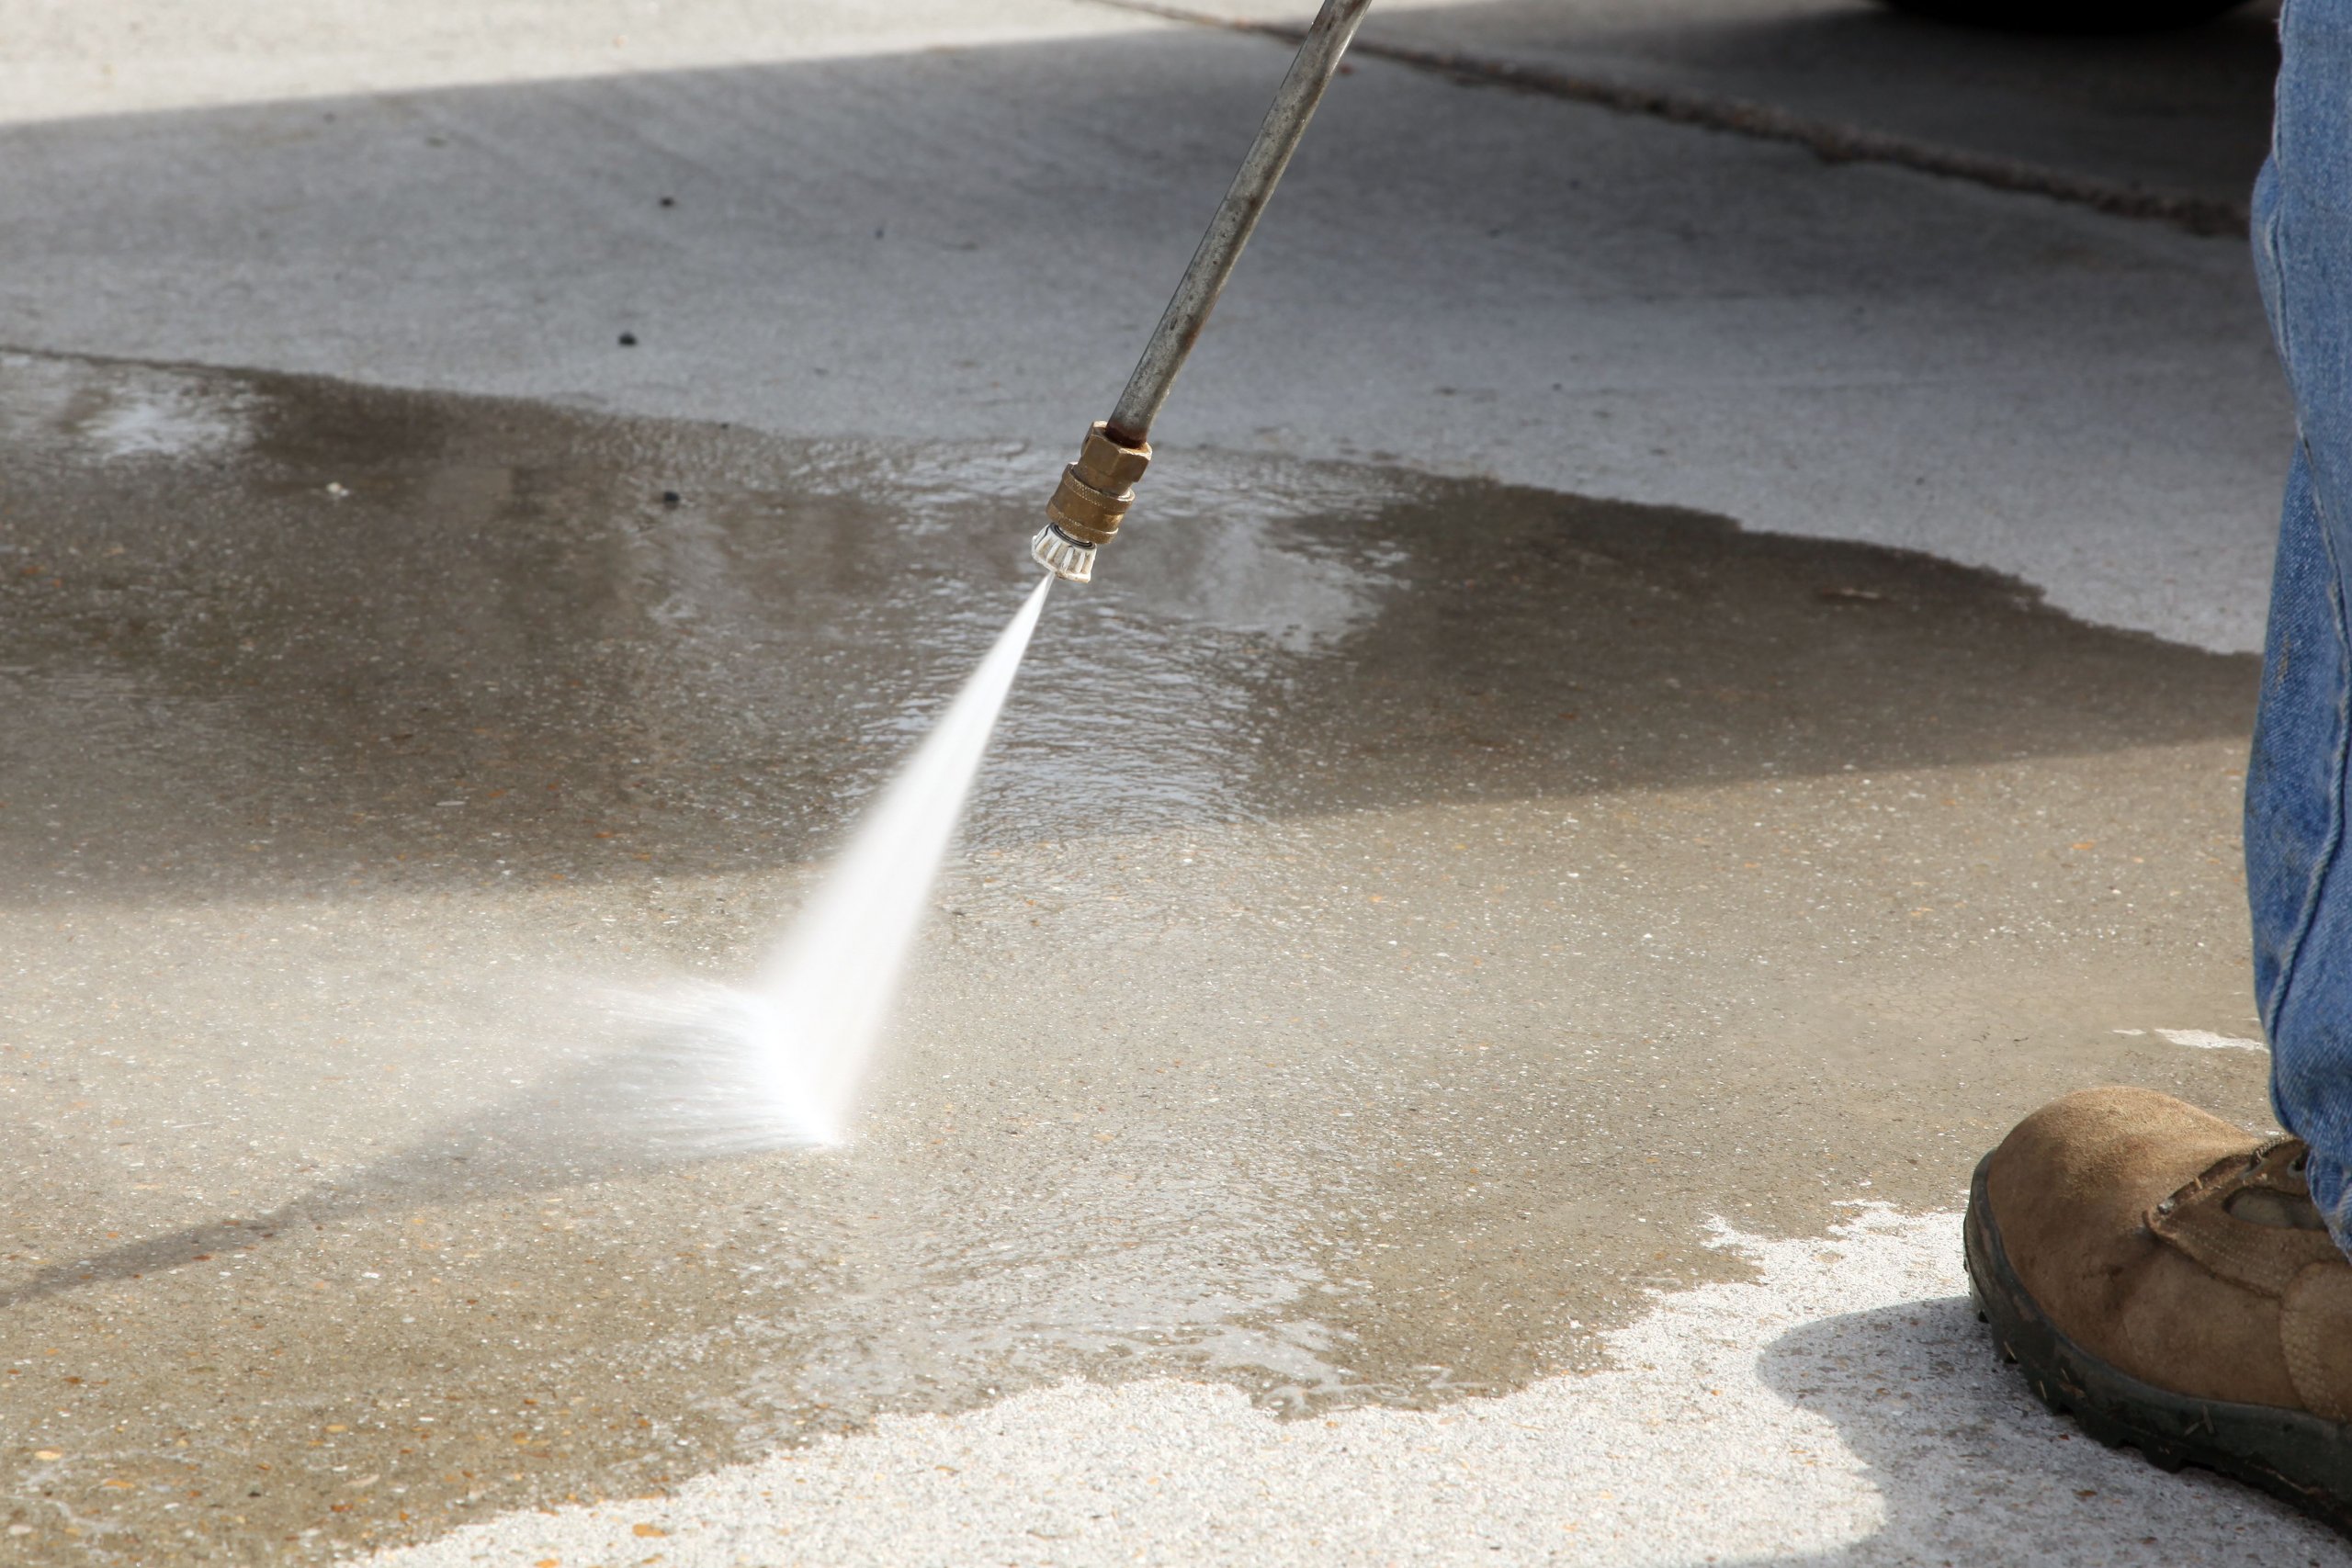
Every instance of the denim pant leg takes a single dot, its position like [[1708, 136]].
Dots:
[[2299, 868]]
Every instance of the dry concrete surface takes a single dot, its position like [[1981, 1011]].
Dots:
[[1663, 690]]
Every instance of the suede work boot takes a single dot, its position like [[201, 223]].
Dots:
[[2164, 1277]]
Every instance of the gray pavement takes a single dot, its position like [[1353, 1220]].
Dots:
[[1626, 745], [2185, 111], [966, 244]]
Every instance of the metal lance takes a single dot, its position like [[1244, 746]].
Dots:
[[1096, 490]]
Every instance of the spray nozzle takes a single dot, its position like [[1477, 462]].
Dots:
[[1094, 494], [1097, 490]]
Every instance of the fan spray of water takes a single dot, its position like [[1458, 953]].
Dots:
[[795, 1047]]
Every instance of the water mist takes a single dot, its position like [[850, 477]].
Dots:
[[780, 1061]]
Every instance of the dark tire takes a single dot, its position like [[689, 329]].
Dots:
[[2068, 15]]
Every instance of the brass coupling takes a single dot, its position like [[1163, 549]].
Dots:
[[1097, 490], [1088, 505]]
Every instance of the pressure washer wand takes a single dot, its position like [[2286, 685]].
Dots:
[[1096, 490]]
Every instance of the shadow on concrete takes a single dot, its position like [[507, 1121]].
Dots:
[[2187, 109], [1962, 1455], [677, 1096]]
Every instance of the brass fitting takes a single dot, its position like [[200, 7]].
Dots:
[[1097, 490], [1087, 506]]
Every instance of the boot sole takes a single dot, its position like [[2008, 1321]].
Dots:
[[2295, 1456]]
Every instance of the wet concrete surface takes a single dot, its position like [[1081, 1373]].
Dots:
[[1400, 913], [881, 225]]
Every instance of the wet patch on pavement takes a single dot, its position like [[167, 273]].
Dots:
[[1399, 915]]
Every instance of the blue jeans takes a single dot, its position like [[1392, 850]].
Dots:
[[2299, 870]]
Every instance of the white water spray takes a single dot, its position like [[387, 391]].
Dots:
[[802, 1039]]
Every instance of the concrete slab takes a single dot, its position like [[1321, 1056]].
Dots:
[[1382, 954], [136, 58], [2186, 110], [1459, 918], [1835, 1381], [966, 244]]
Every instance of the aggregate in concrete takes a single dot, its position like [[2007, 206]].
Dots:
[[1431, 946], [968, 241], [1403, 917], [1836, 1409]]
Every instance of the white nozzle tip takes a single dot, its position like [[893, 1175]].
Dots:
[[1066, 558]]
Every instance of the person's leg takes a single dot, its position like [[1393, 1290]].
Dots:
[[2298, 865], [2171, 1281]]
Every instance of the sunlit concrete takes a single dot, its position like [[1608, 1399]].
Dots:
[[71, 62], [1834, 1410], [1446, 939]]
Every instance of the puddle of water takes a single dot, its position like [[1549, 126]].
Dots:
[[1397, 913], [480, 637]]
